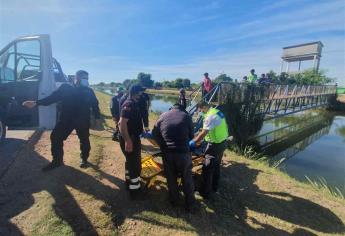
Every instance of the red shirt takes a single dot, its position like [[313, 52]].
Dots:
[[207, 84]]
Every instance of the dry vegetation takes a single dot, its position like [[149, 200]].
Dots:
[[341, 98]]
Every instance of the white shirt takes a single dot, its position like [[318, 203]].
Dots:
[[211, 122]]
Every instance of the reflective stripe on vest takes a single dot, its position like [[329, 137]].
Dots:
[[219, 133]]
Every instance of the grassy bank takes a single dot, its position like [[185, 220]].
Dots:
[[254, 199]]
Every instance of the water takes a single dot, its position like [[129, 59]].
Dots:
[[162, 103], [158, 103], [310, 143]]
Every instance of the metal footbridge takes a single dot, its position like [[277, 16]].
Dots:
[[269, 101]]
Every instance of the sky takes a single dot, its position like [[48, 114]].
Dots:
[[115, 40]]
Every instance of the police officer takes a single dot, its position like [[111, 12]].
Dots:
[[131, 127], [143, 103], [115, 111], [76, 102], [215, 133], [172, 132], [182, 98]]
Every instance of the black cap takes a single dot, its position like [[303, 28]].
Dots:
[[82, 74], [135, 89], [177, 106]]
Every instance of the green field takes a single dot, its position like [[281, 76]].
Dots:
[[340, 90]]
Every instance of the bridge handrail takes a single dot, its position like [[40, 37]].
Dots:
[[196, 90], [213, 91], [278, 91]]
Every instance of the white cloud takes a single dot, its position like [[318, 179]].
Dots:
[[320, 16], [265, 36], [235, 64]]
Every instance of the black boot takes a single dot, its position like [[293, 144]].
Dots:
[[193, 208], [84, 163], [54, 164]]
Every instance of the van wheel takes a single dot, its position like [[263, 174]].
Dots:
[[2, 130]]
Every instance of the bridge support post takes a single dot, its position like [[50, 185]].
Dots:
[[299, 65]]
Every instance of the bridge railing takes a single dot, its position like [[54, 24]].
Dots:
[[240, 92], [288, 91]]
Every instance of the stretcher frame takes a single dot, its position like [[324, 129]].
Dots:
[[151, 168]]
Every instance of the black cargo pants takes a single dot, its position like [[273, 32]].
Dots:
[[133, 163], [61, 132], [211, 172], [176, 164]]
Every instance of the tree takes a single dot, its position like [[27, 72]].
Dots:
[[195, 85], [127, 83], [186, 83], [101, 84], [222, 78], [273, 76], [178, 83], [112, 84], [311, 77], [167, 84], [145, 80], [158, 85], [283, 78]]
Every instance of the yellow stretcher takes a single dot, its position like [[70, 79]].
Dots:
[[151, 168]]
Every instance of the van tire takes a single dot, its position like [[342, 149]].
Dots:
[[2, 130]]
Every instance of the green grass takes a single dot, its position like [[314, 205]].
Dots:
[[321, 184], [250, 153], [340, 90], [51, 225]]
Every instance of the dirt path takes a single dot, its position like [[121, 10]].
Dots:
[[341, 98]]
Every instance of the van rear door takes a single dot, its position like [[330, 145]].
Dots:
[[19, 79], [27, 73]]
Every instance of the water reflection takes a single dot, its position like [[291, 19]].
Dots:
[[289, 131], [162, 103], [308, 144], [341, 131], [158, 103]]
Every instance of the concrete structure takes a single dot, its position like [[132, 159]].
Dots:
[[301, 52]]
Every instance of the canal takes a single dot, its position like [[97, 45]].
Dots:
[[306, 144]]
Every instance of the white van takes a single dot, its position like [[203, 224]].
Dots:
[[28, 71]]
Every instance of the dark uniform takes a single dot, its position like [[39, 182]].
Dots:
[[76, 103], [131, 111], [143, 104], [182, 101], [172, 131], [115, 113], [115, 106]]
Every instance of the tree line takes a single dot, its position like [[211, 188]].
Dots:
[[307, 77]]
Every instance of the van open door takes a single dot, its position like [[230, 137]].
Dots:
[[27, 73]]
